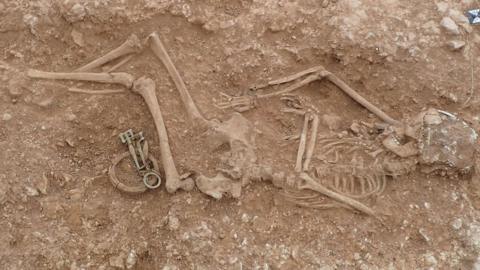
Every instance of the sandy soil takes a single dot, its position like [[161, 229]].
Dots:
[[58, 209]]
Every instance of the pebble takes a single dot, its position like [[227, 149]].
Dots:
[[245, 218], [173, 223], [77, 12], [442, 7], [456, 45], [457, 224], [6, 117], [430, 260], [42, 184], [131, 259], [117, 262], [450, 26], [77, 38], [476, 265], [170, 267], [32, 192]]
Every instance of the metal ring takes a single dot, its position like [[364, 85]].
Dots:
[[140, 188], [157, 183]]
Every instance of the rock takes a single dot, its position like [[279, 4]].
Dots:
[[131, 259], [456, 45], [430, 260], [73, 10], [457, 224], [450, 26], [442, 7], [117, 262], [424, 235], [6, 117], [32, 192], [460, 18], [77, 38], [476, 265], [170, 267], [31, 21], [4, 188], [42, 184], [173, 223], [245, 218]]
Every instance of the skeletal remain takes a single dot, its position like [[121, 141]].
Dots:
[[120, 63], [159, 50], [238, 132], [96, 92], [146, 88], [302, 144], [311, 142], [311, 184], [312, 74], [219, 185], [114, 78], [131, 45]]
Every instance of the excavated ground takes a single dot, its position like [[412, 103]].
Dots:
[[58, 209]]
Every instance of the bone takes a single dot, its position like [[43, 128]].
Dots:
[[219, 185], [131, 45], [159, 50], [406, 150], [114, 78], [120, 63], [96, 92], [311, 184], [146, 88], [314, 74], [311, 142], [301, 147]]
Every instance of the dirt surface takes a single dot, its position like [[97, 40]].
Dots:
[[58, 209]]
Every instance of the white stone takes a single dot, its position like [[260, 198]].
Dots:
[[6, 117], [457, 224], [173, 223], [32, 191], [245, 218], [450, 26], [117, 261], [430, 260], [456, 45], [442, 7], [131, 259], [78, 11]]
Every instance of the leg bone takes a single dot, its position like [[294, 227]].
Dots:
[[146, 88], [131, 45], [159, 50], [114, 78]]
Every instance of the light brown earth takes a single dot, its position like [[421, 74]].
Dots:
[[59, 210]]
